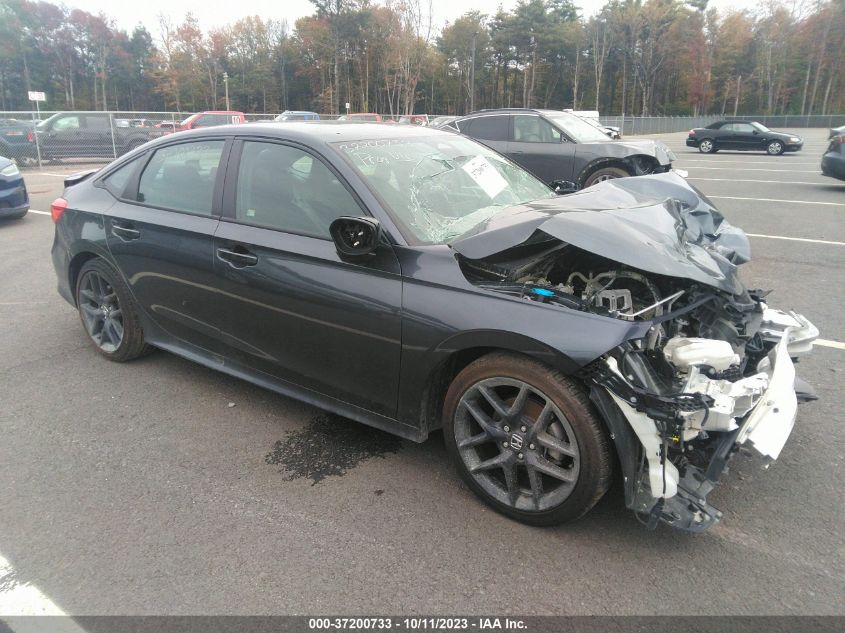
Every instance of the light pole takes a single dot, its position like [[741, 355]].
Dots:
[[226, 86], [472, 75]]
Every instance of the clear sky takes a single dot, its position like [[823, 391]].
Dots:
[[215, 13]]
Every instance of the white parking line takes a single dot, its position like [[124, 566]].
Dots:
[[39, 212], [777, 182], [735, 169], [741, 162], [825, 343], [795, 239], [829, 204], [20, 598]]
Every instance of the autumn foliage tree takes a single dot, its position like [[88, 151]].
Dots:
[[644, 57]]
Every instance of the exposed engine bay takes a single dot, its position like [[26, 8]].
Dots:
[[709, 367]]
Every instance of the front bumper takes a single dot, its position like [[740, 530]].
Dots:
[[14, 199], [679, 465], [793, 147]]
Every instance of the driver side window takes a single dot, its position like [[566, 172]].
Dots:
[[533, 129], [66, 123], [285, 188]]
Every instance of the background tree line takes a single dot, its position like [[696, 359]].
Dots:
[[646, 57]]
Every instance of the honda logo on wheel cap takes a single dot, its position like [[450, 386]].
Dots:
[[516, 441]]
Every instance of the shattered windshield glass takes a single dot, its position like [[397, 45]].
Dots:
[[440, 187]]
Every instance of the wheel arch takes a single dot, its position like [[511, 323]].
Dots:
[[458, 352], [84, 253]]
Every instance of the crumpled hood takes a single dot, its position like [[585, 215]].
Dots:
[[658, 224], [647, 147]]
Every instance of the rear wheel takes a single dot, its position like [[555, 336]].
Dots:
[[108, 312], [606, 173], [526, 440], [774, 148], [706, 146]]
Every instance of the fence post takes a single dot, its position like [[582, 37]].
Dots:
[[35, 134], [111, 127]]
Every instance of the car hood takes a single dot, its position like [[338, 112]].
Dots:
[[647, 147], [659, 224]]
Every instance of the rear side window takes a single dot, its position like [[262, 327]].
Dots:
[[97, 122], [117, 181], [182, 177], [490, 128]]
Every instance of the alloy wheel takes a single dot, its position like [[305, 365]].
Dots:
[[101, 312], [517, 444], [706, 146], [775, 148]]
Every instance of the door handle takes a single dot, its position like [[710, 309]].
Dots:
[[125, 233], [237, 259]]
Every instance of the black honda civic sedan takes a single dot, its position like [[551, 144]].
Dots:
[[413, 279]]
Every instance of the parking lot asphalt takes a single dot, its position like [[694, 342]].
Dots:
[[162, 487]]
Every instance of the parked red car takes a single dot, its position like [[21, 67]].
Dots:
[[362, 117], [212, 118]]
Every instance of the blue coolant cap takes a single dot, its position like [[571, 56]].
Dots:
[[543, 292]]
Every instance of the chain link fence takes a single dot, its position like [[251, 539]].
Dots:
[[33, 138]]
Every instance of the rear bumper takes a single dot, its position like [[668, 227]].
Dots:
[[692, 142], [833, 165]]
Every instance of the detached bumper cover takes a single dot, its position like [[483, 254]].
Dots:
[[769, 424], [758, 410]]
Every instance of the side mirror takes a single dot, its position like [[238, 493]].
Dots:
[[355, 237], [755, 132]]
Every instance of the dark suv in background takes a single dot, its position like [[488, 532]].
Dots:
[[562, 149], [90, 135]]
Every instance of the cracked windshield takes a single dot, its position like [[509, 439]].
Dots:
[[438, 188]]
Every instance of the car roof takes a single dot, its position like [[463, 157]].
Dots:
[[309, 131]]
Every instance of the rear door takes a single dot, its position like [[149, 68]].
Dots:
[[160, 233], [289, 306], [95, 136], [541, 148]]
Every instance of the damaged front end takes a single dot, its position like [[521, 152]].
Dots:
[[715, 368]]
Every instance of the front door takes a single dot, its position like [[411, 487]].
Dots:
[[290, 307], [542, 149]]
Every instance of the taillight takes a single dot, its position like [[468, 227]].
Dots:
[[30, 137], [692, 132], [57, 208]]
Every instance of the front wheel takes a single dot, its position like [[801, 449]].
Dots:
[[774, 148], [526, 440], [607, 173], [108, 312], [706, 146]]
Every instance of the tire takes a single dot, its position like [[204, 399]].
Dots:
[[108, 312], [606, 173], [775, 148], [707, 146], [497, 464]]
